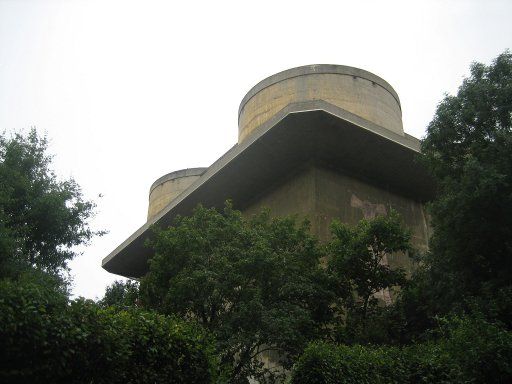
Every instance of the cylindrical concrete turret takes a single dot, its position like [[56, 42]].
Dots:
[[354, 90], [170, 186]]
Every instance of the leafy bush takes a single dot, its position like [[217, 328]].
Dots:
[[45, 338], [326, 363], [466, 350]]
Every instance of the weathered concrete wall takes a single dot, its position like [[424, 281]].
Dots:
[[294, 195], [323, 195], [355, 90], [170, 186]]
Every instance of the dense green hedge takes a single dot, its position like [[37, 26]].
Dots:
[[44, 338], [467, 350]]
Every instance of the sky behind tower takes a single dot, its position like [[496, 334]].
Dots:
[[130, 90]]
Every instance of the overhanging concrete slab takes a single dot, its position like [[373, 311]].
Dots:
[[303, 132]]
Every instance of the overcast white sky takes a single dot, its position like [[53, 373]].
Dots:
[[130, 90]]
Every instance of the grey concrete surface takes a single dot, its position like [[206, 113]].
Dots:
[[354, 90], [168, 187]]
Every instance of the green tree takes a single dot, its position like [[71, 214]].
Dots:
[[45, 337], [256, 284], [468, 149], [122, 294], [358, 261], [41, 217]]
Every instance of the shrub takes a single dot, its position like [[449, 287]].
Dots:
[[45, 338], [324, 363], [466, 350]]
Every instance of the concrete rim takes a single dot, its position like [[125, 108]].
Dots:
[[317, 69], [176, 175]]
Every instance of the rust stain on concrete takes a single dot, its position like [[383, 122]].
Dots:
[[370, 210]]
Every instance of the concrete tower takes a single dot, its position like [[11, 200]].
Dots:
[[320, 141]]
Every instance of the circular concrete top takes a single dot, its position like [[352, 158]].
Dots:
[[355, 90], [176, 175], [320, 69]]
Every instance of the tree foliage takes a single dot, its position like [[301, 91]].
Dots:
[[468, 149], [255, 283], [357, 258], [41, 217], [121, 294]]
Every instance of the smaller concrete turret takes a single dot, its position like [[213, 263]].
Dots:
[[170, 186]]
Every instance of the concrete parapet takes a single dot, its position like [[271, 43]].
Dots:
[[354, 90]]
